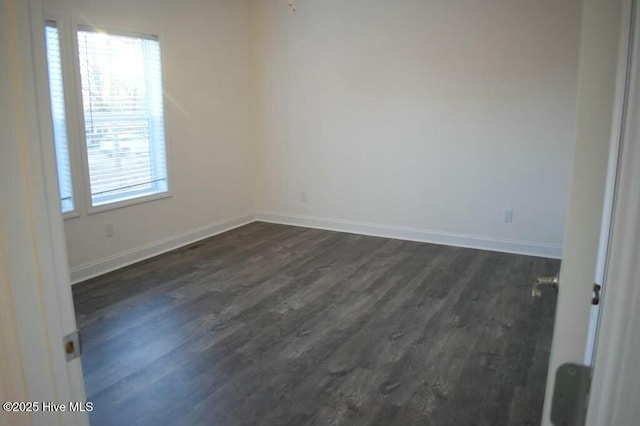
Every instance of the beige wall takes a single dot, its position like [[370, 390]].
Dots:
[[205, 48], [430, 115], [424, 115]]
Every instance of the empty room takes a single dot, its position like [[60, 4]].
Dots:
[[273, 212]]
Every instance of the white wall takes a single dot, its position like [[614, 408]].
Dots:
[[433, 115], [205, 48], [427, 118]]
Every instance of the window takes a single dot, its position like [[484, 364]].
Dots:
[[56, 89], [121, 83]]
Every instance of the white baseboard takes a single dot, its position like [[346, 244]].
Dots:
[[415, 234], [102, 266]]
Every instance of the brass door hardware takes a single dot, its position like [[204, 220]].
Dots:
[[553, 281]]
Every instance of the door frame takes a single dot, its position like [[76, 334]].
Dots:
[[60, 261], [613, 166], [34, 271], [616, 380]]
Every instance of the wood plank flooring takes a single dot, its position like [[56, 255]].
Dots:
[[278, 325]]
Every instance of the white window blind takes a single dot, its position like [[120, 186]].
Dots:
[[121, 81], [61, 141]]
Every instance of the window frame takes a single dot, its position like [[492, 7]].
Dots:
[[66, 64], [77, 26]]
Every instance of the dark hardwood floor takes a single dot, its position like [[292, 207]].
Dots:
[[279, 325]]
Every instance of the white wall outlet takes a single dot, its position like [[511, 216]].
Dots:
[[303, 197], [507, 215], [109, 231]]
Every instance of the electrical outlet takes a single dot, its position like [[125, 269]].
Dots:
[[109, 231], [507, 215], [303, 197]]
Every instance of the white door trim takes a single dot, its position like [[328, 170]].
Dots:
[[35, 267], [597, 122], [57, 242], [617, 130], [616, 379]]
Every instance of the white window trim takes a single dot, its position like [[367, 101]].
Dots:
[[79, 25], [73, 213], [125, 202], [68, 84]]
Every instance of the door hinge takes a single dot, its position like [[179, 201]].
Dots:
[[570, 395], [596, 294], [72, 345]]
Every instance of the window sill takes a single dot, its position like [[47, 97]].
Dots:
[[70, 215], [127, 203]]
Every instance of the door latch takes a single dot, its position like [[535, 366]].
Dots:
[[72, 345]]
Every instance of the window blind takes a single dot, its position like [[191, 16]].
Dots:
[[61, 142], [121, 83]]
